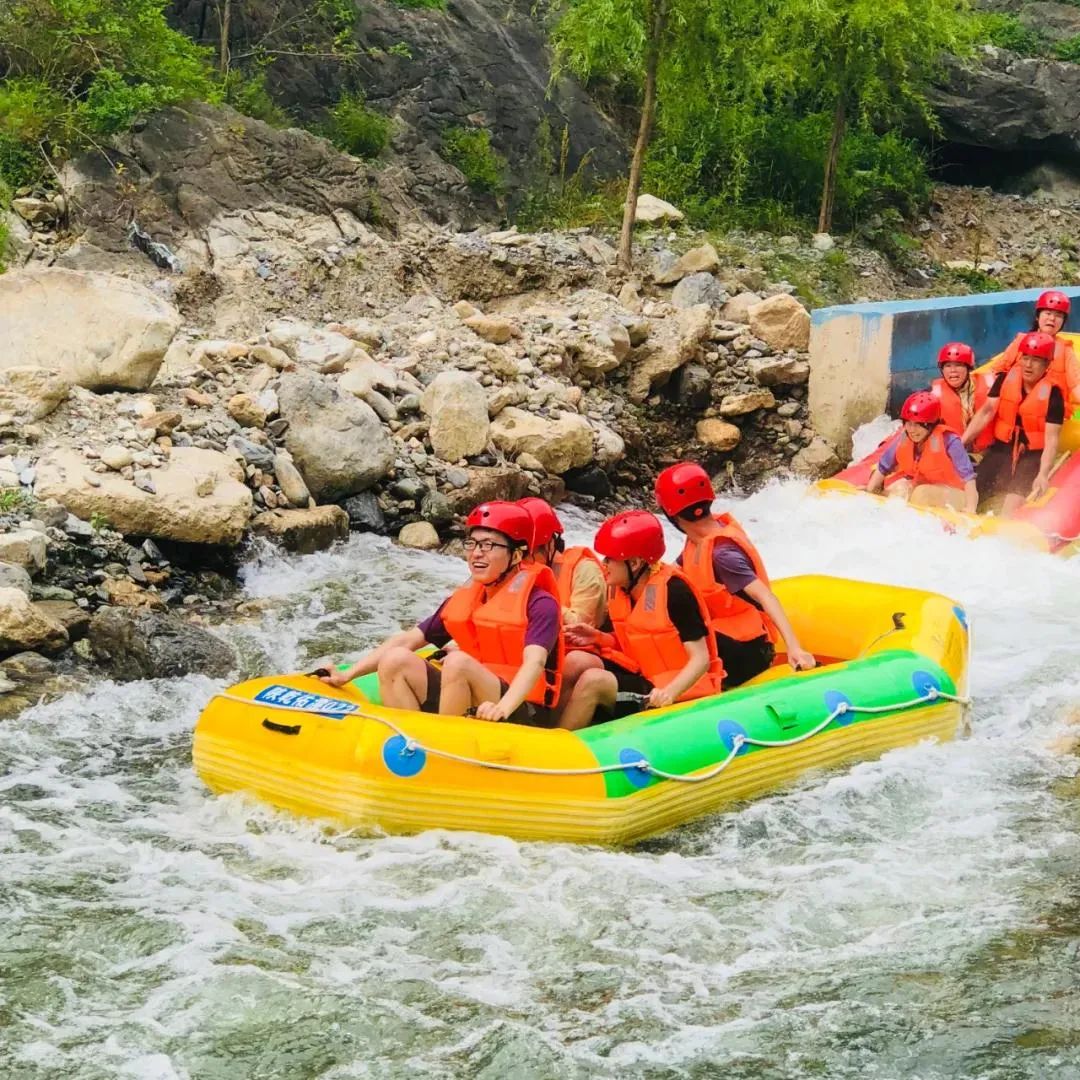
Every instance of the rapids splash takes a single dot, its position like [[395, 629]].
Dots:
[[913, 916]]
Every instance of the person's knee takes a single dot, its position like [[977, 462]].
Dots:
[[596, 684], [457, 665], [578, 662], [395, 660]]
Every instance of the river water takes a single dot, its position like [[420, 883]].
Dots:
[[918, 916]]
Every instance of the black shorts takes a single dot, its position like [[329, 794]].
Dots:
[[526, 713], [996, 475], [628, 682], [744, 659]]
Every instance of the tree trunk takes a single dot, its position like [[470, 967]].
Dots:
[[226, 24], [828, 191], [657, 21]]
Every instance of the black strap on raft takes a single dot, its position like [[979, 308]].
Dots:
[[320, 673], [281, 729], [898, 620]]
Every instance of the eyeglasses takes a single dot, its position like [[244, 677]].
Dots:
[[485, 547]]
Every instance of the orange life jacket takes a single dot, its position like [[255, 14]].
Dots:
[[953, 414], [1063, 371], [1015, 411], [492, 630], [645, 632], [932, 465], [564, 567], [729, 614]]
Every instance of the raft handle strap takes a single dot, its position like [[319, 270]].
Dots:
[[282, 729]]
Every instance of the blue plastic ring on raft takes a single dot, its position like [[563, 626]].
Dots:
[[961, 616], [634, 773], [400, 758], [727, 730], [924, 682], [833, 698]]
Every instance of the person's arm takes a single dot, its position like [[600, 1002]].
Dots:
[[696, 665], [971, 496], [408, 639], [876, 481], [979, 421], [766, 599], [885, 464], [533, 659], [587, 595], [1046, 464]]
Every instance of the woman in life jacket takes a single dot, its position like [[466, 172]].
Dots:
[[659, 626], [745, 615], [1025, 411], [926, 463], [507, 626], [582, 588], [960, 392], [1051, 313]]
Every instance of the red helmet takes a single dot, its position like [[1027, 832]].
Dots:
[[1037, 344], [683, 485], [1052, 300], [505, 517], [545, 521], [633, 534], [922, 408], [956, 352]]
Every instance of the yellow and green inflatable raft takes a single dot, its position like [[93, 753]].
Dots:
[[893, 671]]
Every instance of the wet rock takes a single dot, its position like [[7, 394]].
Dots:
[[14, 576], [199, 496], [24, 626], [718, 434], [365, 513], [751, 401], [24, 547], [691, 387], [781, 322], [779, 370], [337, 442], [816, 460], [150, 645], [435, 507], [419, 534], [31, 393], [458, 406], [96, 330], [68, 614], [560, 443], [304, 531], [589, 480]]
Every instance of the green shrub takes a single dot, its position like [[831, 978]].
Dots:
[[470, 150], [1068, 50], [357, 129], [420, 5], [246, 92], [1008, 32]]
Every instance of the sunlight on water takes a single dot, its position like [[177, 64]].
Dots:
[[910, 917]]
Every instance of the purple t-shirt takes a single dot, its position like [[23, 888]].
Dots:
[[731, 565], [543, 617], [953, 447]]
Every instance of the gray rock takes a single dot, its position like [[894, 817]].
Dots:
[[150, 645], [779, 370], [436, 508], [457, 477], [691, 386], [365, 513], [14, 577], [262, 457], [336, 441], [408, 487], [696, 289]]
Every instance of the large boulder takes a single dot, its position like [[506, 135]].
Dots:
[[781, 322], [134, 644], [337, 442], [487, 484], [31, 393], [199, 497], [650, 210], [560, 443], [718, 434], [677, 341], [303, 531], [96, 330], [23, 626], [458, 407]]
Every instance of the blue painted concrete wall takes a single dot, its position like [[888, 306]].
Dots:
[[987, 322]]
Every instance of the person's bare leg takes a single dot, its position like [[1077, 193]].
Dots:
[[575, 665], [466, 683], [899, 489], [938, 496], [1011, 504], [594, 689], [402, 679]]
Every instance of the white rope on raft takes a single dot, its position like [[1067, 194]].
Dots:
[[737, 742]]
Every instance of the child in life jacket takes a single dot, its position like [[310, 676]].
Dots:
[[582, 587], [660, 643], [745, 615], [926, 463], [1024, 412], [507, 626], [960, 392], [1051, 314]]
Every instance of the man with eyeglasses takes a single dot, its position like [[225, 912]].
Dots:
[[744, 613], [506, 623]]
